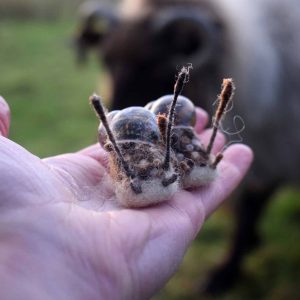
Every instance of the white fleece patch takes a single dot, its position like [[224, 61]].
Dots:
[[153, 192], [199, 176]]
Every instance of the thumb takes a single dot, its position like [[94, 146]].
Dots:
[[4, 117]]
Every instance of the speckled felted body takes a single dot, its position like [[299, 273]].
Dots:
[[195, 165], [146, 161]]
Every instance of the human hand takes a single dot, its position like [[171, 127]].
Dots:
[[62, 235]]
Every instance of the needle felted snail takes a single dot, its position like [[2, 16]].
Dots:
[[142, 163], [154, 150], [197, 166]]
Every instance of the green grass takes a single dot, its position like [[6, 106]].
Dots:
[[48, 96], [46, 91]]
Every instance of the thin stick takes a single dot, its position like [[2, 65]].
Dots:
[[98, 106], [179, 84], [224, 98], [218, 158]]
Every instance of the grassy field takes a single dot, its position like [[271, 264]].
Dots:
[[47, 92], [48, 96]]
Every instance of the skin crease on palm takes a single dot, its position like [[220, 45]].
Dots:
[[62, 236]]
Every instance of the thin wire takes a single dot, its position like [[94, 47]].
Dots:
[[237, 132]]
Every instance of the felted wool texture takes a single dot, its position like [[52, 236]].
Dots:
[[153, 192], [199, 176]]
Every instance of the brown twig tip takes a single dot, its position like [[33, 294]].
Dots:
[[95, 100], [225, 96], [182, 78], [218, 158], [162, 123]]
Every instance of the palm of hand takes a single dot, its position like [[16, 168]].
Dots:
[[63, 210]]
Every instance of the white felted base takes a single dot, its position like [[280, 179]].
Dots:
[[153, 192], [199, 176]]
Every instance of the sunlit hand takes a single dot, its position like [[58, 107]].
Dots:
[[62, 236]]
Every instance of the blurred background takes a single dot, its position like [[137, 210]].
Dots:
[[47, 92], [48, 96]]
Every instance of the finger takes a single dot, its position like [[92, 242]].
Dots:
[[92, 150], [76, 169], [236, 162], [191, 208], [201, 120], [96, 152], [24, 178], [4, 117], [184, 215]]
